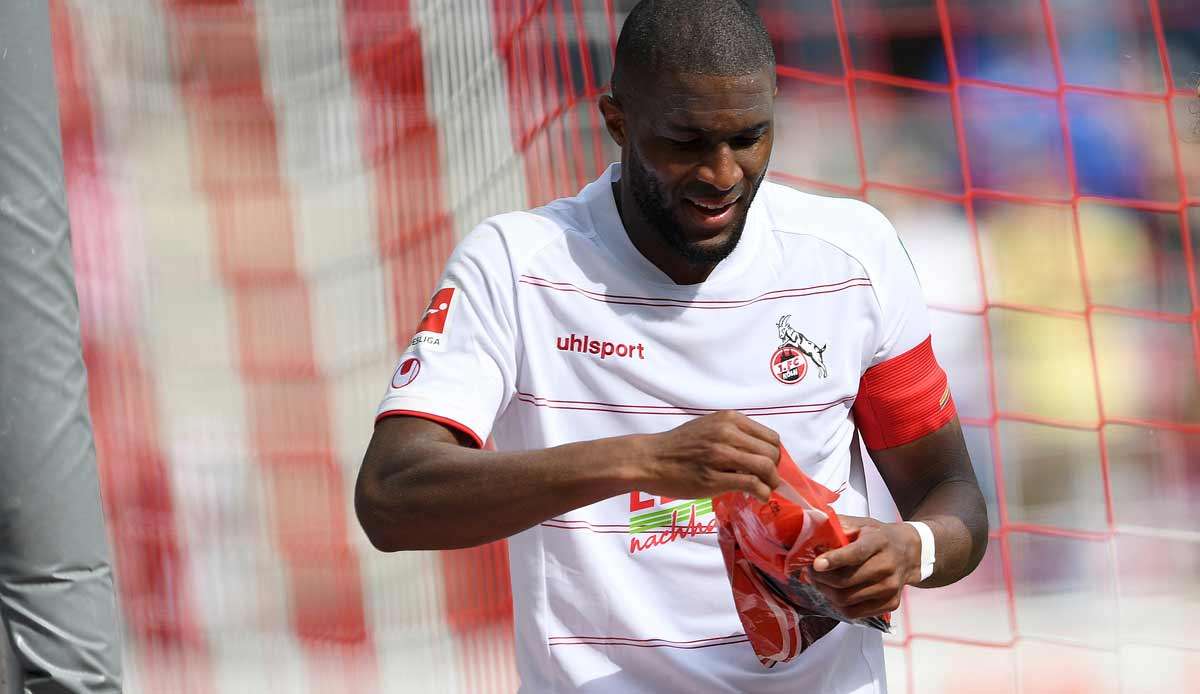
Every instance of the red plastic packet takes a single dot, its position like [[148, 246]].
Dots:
[[769, 549]]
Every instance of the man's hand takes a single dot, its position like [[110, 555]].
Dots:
[[864, 578], [721, 452]]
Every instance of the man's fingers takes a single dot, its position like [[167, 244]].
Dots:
[[874, 608], [761, 467], [759, 447], [874, 592], [733, 459], [744, 440], [873, 570], [855, 522], [738, 482], [759, 431], [852, 554], [875, 579]]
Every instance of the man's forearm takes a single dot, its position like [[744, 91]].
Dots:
[[956, 513], [453, 497]]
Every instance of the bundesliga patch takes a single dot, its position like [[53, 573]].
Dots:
[[431, 331]]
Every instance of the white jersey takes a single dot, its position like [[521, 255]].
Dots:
[[549, 327]]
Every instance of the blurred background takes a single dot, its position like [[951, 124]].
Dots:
[[262, 196]]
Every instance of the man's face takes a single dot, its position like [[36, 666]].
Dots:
[[696, 150]]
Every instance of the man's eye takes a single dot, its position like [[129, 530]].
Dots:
[[747, 141], [683, 144]]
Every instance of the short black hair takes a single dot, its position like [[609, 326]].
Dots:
[[698, 37]]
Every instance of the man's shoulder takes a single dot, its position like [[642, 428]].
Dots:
[[521, 235], [516, 236], [846, 220], [851, 226]]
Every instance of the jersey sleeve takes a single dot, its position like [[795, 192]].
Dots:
[[903, 392], [460, 366]]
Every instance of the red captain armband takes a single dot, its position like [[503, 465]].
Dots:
[[902, 399]]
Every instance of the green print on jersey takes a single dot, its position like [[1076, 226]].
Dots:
[[670, 523]]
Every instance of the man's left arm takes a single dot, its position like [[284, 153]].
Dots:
[[932, 481], [906, 416]]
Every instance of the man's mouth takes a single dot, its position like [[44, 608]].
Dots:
[[711, 213]]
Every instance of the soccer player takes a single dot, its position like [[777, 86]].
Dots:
[[652, 342]]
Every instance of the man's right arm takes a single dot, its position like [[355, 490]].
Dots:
[[423, 485]]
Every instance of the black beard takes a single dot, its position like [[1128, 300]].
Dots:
[[652, 204]]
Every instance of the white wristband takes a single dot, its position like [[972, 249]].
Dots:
[[927, 553]]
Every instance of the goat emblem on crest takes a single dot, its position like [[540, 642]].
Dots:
[[789, 364]]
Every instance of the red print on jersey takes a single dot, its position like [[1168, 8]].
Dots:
[[434, 320], [406, 373], [602, 348], [640, 502], [788, 365]]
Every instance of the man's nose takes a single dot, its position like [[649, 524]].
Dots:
[[720, 168]]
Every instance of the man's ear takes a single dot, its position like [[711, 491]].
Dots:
[[614, 118]]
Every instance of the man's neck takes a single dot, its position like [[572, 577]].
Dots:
[[650, 243]]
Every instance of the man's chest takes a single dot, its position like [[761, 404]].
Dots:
[[776, 350], [598, 361]]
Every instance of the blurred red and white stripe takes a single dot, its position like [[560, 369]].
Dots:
[[285, 170]]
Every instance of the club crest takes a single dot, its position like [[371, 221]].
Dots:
[[790, 362]]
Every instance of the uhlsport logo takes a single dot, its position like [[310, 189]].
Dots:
[[601, 348], [406, 373], [789, 363]]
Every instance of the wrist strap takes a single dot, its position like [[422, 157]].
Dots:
[[927, 552]]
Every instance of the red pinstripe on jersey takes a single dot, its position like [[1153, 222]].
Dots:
[[646, 643], [538, 401], [627, 300]]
